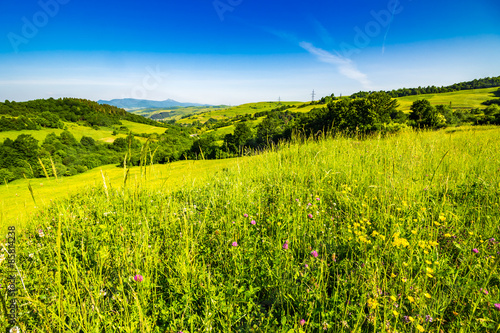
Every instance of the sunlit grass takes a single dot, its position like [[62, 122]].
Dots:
[[464, 99], [396, 234]]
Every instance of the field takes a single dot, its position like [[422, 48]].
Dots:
[[249, 108], [396, 234], [102, 134], [16, 201], [176, 113], [464, 99]]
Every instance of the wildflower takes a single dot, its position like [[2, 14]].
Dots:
[[15, 329], [497, 306], [234, 244], [395, 313], [428, 319], [297, 200], [306, 265], [40, 233], [420, 328], [485, 291], [411, 319], [427, 295], [302, 322], [406, 319], [285, 245], [475, 250], [310, 216], [31, 255], [245, 215], [411, 299], [394, 298], [429, 270], [309, 204], [372, 303], [317, 199], [253, 222], [314, 254], [138, 278], [491, 240]]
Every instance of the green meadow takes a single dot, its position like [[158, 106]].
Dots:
[[463, 99], [102, 134], [344, 234]]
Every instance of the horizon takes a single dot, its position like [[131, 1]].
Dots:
[[235, 52]]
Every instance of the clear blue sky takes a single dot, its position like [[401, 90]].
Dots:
[[237, 51]]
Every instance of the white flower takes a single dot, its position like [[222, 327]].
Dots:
[[31, 255]]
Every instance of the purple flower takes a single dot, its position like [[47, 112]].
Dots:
[[310, 216], [302, 322], [428, 319], [245, 215], [306, 265], [40, 233], [475, 250], [253, 222], [484, 291], [406, 319], [138, 278], [497, 306], [297, 200], [285, 245], [317, 199], [234, 244], [492, 240], [314, 254]]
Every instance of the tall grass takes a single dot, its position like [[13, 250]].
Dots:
[[398, 234]]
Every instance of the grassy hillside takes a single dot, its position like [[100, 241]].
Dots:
[[174, 113], [103, 133], [16, 201], [248, 108], [464, 99], [395, 234]]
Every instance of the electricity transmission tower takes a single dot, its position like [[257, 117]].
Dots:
[[313, 94]]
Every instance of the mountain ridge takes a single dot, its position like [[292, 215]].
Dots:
[[130, 104]]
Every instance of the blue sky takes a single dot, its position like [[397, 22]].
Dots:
[[237, 51]]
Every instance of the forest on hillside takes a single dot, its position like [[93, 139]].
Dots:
[[52, 113]]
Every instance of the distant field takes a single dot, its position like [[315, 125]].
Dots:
[[103, 134], [464, 99], [249, 108], [176, 113]]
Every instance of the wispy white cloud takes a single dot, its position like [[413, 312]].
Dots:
[[345, 66]]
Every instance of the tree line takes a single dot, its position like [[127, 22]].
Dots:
[[488, 82]]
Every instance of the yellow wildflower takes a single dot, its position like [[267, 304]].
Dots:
[[411, 299], [394, 312], [394, 298], [427, 295], [420, 328]]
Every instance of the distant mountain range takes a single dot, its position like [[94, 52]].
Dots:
[[130, 104]]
